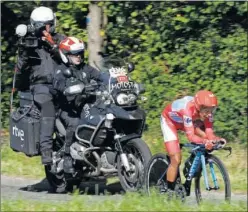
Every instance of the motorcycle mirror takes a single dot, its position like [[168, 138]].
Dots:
[[130, 67], [67, 73]]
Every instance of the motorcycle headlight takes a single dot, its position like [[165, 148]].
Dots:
[[124, 99], [132, 98]]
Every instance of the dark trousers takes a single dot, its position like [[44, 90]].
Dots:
[[44, 101], [71, 121]]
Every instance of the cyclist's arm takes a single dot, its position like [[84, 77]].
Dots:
[[208, 123], [190, 130]]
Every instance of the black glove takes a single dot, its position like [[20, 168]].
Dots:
[[72, 81], [59, 84], [79, 100]]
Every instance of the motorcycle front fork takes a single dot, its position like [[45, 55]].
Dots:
[[123, 156], [204, 172]]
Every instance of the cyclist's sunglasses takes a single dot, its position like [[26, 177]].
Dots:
[[208, 109]]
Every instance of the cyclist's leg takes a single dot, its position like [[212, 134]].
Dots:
[[171, 142]]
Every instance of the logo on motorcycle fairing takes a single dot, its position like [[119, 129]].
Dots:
[[123, 86], [18, 132], [122, 79], [118, 71]]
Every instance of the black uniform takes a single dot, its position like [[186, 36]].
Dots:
[[71, 107], [39, 65]]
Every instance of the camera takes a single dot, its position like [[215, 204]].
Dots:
[[27, 36]]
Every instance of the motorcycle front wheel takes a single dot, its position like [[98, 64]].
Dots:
[[138, 155], [218, 181]]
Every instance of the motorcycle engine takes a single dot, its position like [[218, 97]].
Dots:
[[76, 149], [108, 159]]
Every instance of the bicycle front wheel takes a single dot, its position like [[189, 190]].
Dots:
[[155, 174], [219, 186]]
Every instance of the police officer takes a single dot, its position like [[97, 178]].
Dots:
[[40, 63], [71, 50]]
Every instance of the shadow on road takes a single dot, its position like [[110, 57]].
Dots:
[[90, 188]]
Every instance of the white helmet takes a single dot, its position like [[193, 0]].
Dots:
[[41, 16]]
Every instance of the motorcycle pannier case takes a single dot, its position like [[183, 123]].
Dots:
[[25, 126]]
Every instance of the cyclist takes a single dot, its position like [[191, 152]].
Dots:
[[194, 116]]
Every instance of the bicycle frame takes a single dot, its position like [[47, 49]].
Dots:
[[205, 176], [200, 154]]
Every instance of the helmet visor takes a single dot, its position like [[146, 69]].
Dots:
[[76, 52]]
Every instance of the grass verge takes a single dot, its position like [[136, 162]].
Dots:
[[129, 202], [18, 164]]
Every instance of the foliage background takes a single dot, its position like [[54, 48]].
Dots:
[[178, 48]]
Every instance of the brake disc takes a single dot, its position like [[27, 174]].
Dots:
[[132, 175]]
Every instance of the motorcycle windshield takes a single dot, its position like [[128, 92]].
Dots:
[[117, 69]]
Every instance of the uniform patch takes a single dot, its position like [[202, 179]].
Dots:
[[175, 117], [187, 121]]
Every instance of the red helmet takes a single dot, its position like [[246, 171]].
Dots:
[[70, 45], [205, 98]]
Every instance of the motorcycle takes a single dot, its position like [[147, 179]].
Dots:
[[107, 140]]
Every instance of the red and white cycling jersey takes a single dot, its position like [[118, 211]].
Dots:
[[180, 115]]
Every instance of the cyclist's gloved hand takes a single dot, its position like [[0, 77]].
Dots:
[[223, 142], [209, 144], [220, 140]]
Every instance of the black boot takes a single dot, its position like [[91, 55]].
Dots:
[[46, 157], [46, 142], [68, 165]]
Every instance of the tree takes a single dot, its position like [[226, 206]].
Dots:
[[94, 37]]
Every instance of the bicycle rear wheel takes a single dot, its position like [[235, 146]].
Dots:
[[155, 174], [220, 187]]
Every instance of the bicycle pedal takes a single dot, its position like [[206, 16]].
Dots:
[[180, 192]]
